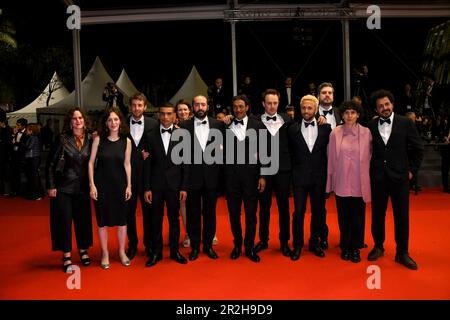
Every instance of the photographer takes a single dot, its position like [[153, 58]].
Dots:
[[114, 98]]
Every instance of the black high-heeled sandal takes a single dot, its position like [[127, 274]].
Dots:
[[86, 260], [67, 268]]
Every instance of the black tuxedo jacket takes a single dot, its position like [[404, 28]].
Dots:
[[284, 97], [283, 144], [247, 170], [336, 114], [402, 153], [160, 173], [137, 161], [203, 174], [308, 167]]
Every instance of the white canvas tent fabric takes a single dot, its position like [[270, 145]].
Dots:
[[92, 89], [128, 89], [194, 85], [28, 112]]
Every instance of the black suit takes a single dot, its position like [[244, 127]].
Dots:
[[280, 183], [389, 168], [137, 163], [336, 114], [18, 162], [309, 177], [202, 186], [165, 180], [242, 185], [284, 100]]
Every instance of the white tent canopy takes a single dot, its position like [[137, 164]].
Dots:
[[58, 92], [128, 89], [93, 86], [194, 85]]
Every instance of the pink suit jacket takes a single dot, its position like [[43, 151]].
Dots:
[[365, 154]]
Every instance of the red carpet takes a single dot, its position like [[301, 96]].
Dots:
[[29, 270]]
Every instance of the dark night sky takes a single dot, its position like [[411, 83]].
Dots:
[[161, 54]]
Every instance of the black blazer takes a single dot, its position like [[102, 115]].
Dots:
[[283, 144], [75, 175], [247, 169], [336, 114], [136, 160], [160, 173], [308, 167], [203, 174], [402, 153]]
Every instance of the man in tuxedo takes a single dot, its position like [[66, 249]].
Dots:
[[308, 146], [432, 96], [140, 126], [203, 183], [218, 97], [277, 125], [165, 183], [333, 117], [287, 94], [18, 156], [396, 157], [243, 178]]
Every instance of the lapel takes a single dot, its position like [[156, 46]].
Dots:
[[160, 143], [377, 135], [394, 128], [300, 136], [319, 137], [70, 140]]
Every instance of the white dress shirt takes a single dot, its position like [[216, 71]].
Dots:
[[330, 117], [271, 125], [288, 92], [165, 137], [239, 130], [310, 134], [201, 131], [385, 129], [137, 130]]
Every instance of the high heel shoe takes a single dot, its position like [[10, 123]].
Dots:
[[85, 260], [125, 262], [67, 268], [105, 266]]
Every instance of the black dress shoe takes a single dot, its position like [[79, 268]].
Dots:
[[210, 252], [131, 252], [406, 260], [355, 256], [296, 253], [153, 259], [345, 255], [375, 253], [285, 250], [251, 254], [194, 254], [317, 251], [148, 252], [323, 244], [236, 253], [262, 245], [178, 257]]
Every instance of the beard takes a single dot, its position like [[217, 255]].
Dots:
[[200, 114]]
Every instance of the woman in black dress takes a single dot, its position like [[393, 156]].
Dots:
[[68, 189], [110, 181]]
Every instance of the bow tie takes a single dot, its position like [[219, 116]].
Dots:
[[238, 121], [136, 122], [382, 121], [167, 130], [201, 122], [307, 124], [274, 118], [325, 112]]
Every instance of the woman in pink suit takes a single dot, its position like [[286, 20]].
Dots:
[[349, 153]]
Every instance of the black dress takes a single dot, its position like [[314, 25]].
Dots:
[[111, 181]]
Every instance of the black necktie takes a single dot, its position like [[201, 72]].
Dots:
[[166, 130], [238, 121], [309, 124], [325, 112], [382, 121], [136, 122], [202, 122], [274, 118]]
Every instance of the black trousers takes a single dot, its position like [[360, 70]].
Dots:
[[317, 199], [242, 189], [201, 203], [280, 183], [17, 168], [172, 201], [351, 219], [382, 189], [64, 209], [34, 187], [445, 166], [131, 206]]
